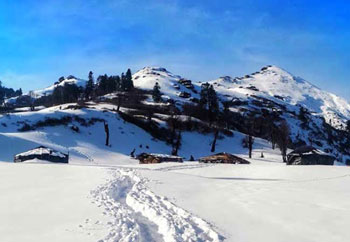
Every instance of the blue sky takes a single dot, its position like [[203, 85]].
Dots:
[[43, 40]]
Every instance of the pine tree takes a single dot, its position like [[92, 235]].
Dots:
[[117, 83], [156, 94], [126, 81], [348, 126], [302, 115], [102, 85], [204, 95], [89, 86], [111, 84], [213, 105]]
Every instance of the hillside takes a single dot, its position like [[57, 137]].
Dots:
[[258, 103], [315, 117]]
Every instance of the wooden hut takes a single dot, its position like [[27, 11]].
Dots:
[[146, 158], [42, 153], [224, 158], [308, 155]]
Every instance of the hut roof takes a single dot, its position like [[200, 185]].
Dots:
[[159, 157], [224, 156], [42, 150], [307, 150]]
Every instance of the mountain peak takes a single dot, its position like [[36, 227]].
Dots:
[[155, 69]]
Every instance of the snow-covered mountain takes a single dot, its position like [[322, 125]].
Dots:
[[281, 86], [270, 90], [270, 82], [70, 80]]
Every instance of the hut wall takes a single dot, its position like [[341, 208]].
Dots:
[[45, 157], [311, 160]]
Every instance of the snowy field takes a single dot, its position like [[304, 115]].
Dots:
[[174, 202], [103, 195]]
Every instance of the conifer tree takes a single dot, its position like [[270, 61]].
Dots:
[[102, 82], [117, 83], [213, 105], [156, 94], [204, 95], [89, 86], [126, 81]]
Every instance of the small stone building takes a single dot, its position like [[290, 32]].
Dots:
[[308, 155], [146, 158], [224, 158], [42, 153]]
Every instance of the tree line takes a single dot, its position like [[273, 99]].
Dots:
[[103, 85]]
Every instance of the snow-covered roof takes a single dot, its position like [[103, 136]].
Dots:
[[307, 150], [165, 156], [41, 151]]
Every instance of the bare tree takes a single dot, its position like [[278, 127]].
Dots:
[[107, 133], [250, 145], [283, 139], [177, 144]]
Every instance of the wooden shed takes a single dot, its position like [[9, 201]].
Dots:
[[146, 158], [224, 158], [308, 155], [42, 153]]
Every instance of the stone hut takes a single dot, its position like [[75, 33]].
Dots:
[[308, 155], [42, 153], [224, 158], [146, 158]]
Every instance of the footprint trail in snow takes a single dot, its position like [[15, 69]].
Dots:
[[137, 214]]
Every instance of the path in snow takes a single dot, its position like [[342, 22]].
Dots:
[[140, 215], [137, 214]]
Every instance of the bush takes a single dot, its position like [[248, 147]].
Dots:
[[25, 127]]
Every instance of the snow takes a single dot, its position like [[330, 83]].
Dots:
[[41, 202], [41, 151], [263, 203]]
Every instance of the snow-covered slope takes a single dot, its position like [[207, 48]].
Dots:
[[278, 84], [124, 137]]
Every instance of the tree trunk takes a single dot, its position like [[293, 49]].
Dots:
[[177, 145], [214, 141], [250, 145]]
